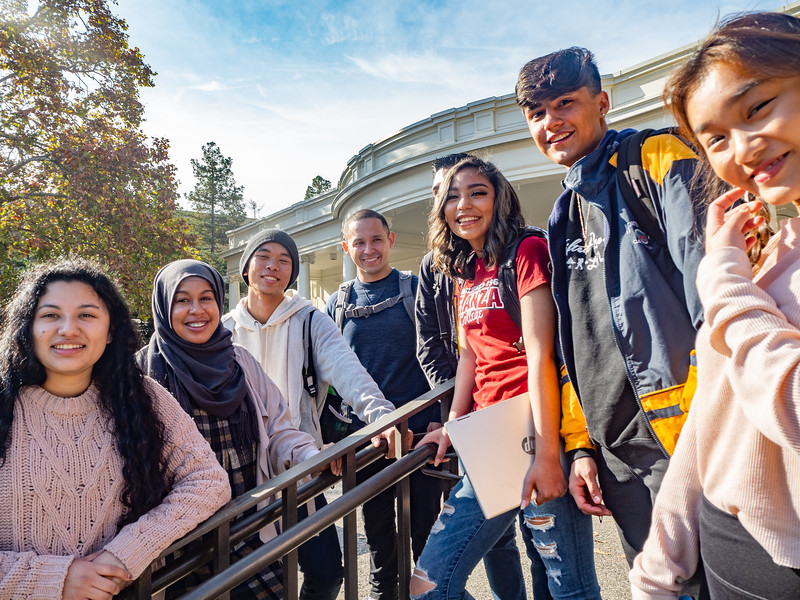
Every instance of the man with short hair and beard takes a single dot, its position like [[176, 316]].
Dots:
[[384, 338]]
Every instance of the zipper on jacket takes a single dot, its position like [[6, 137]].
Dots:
[[560, 322]]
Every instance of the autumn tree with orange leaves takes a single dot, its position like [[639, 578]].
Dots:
[[77, 175]]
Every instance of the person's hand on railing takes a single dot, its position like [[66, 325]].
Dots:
[[441, 438], [389, 435], [335, 465], [106, 558], [93, 577]]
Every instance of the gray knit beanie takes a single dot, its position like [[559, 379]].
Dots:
[[264, 237]]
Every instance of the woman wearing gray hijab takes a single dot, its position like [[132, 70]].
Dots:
[[221, 385]]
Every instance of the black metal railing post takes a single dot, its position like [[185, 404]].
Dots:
[[312, 525], [349, 531], [143, 585], [403, 503], [288, 519], [221, 544]]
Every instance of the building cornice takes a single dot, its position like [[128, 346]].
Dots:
[[376, 175]]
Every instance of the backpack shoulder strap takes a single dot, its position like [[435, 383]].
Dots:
[[507, 275], [632, 182], [407, 294], [309, 370], [344, 310], [342, 298]]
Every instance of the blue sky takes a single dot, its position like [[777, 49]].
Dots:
[[294, 89]]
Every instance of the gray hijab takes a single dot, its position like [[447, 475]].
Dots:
[[203, 375]]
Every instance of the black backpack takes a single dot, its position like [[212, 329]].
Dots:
[[337, 415], [632, 182], [335, 418], [344, 310], [507, 274]]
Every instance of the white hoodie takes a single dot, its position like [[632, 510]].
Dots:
[[278, 347]]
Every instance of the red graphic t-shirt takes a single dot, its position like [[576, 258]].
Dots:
[[501, 372]]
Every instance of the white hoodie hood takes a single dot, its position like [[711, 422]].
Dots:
[[278, 347]]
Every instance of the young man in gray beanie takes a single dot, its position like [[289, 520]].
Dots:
[[270, 322]]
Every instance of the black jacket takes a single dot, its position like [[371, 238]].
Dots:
[[437, 333]]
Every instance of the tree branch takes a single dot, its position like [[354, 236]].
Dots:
[[32, 19], [39, 195], [24, 162]]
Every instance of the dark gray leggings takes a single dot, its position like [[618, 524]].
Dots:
[[737, 567], [630, 478]]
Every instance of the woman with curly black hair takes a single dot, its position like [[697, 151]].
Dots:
[[100, 469]]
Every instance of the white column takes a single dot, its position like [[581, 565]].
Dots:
[[349, 270], [233, 292], [304, 276]]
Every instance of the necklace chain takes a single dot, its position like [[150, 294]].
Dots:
[[583, 224]]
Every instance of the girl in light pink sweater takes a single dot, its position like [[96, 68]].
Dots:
[[100, 468], [731, 495]]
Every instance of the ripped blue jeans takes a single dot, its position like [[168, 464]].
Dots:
[[461, 537]]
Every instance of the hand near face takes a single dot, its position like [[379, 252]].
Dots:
[[732, 228]]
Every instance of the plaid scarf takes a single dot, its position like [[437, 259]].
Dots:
[[241, 464]]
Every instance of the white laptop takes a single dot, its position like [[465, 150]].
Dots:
[[496, 446]]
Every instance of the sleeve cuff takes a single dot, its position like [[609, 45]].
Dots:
[[718, 265], [574, 455]]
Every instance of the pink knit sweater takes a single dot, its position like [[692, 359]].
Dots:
[[741, 443], [61, 482]]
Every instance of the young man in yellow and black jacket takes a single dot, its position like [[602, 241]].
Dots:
[[625, 291]]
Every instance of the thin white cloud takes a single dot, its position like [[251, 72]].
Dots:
[[290, 91], [408, 67], [337, 29], [211, 86]]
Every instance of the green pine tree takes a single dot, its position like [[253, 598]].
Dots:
[[218, 202]]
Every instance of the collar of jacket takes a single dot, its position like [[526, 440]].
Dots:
[[591, 173]]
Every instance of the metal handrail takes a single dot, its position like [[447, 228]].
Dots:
[[253, 523], [311, 526], [219, 532]]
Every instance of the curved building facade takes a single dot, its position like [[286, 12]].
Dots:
[[393, 175]]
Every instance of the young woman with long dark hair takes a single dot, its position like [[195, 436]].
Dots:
[[475, 218], [100, 469]]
